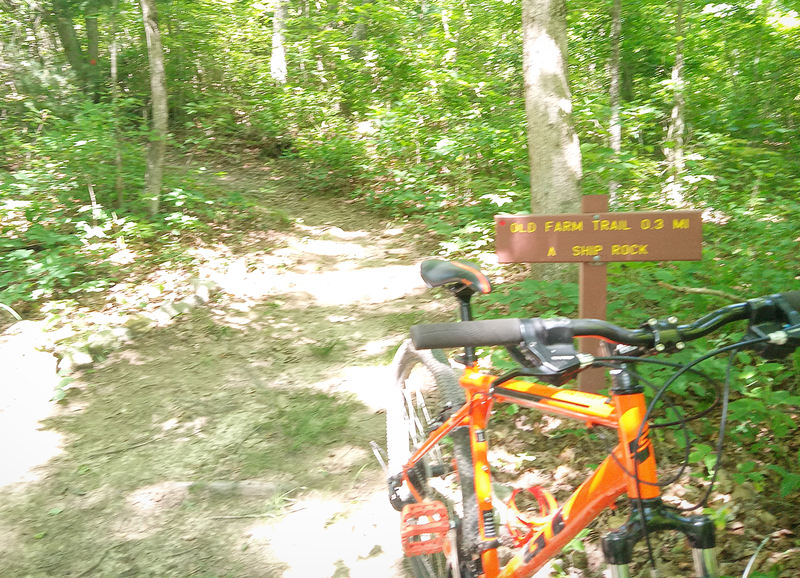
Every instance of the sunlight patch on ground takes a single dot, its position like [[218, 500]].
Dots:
[[142, 516], [370, 385], [323, 535], [375, 285], [329, 288], [29, 379], [331, 248]]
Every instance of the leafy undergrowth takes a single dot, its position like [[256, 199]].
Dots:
[[66, 250]]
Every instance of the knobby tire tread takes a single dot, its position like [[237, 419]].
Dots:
[[446, 382]]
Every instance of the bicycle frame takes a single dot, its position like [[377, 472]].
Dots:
[[621, 411]]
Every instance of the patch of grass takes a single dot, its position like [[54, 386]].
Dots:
[[305, 421], [324, 349]]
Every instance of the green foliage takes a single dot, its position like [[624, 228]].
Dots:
[[419, 110]]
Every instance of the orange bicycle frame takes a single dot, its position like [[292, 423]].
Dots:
[[610, 480]]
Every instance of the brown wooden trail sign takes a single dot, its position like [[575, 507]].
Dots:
[[593, 238], [600, 237]]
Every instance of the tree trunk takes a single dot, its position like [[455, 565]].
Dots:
[[674, 145], [553, 149], [119, 185], [92, 38], [277, 64], [70, 44], [615, 127], [158, 89], [359, 35]]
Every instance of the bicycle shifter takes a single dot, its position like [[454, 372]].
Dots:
[[548, 346]]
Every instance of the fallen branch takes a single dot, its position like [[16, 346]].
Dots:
[[242, 517], [182, 552], [270, 515], [94, 566], [702, 290], [126, 448]]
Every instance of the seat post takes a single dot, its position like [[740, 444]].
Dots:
[[465, 311]]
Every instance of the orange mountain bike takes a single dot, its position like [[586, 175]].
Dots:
[[438, 470]]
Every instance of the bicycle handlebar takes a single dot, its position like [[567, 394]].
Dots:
[[497, 332]]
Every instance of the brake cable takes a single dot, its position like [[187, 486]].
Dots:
[[659, 393], [732, 348]]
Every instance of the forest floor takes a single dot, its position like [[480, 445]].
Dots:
[[234, 441]]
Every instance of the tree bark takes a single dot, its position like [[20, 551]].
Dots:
[[70, 44], [615, 126], [119, 184], [277, 64], [158, 89], [674, 145], [92, 42], [553, 147]]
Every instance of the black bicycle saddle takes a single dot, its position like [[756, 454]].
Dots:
[[436, 273]]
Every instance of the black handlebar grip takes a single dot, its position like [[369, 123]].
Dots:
[[484, 333], [793, 297]]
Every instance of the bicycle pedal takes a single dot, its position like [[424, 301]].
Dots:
[[424, 528]]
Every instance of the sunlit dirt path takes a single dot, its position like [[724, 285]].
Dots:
[[234, 441]]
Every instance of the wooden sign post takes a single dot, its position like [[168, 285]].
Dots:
[[594, 238]]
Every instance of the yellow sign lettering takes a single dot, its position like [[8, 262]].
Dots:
[[680, 223], [605, 225], [645, 224], [586, 250], [551, 252], [629, 250], [523, 227]]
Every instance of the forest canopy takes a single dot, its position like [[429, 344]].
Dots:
[[417, 108]]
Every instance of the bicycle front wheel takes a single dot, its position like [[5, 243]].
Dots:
[[424, 386]]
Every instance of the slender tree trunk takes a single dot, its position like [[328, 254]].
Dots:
[[277, 63], [119, 185], [37, 53], [553, 149], [92, 38], [158, 88], [358, 36], [615, 128], [759, 98], [677, 126]]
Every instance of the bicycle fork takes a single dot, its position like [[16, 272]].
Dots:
[[649, 512], [652, 516]]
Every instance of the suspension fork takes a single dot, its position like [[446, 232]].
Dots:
[[650, 514], [480, 406]]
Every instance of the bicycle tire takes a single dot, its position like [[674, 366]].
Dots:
[[424, 383]]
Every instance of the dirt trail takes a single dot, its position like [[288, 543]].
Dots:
[[235, 441]]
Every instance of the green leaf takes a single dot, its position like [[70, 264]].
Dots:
[[790, 483], [700, 452]]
